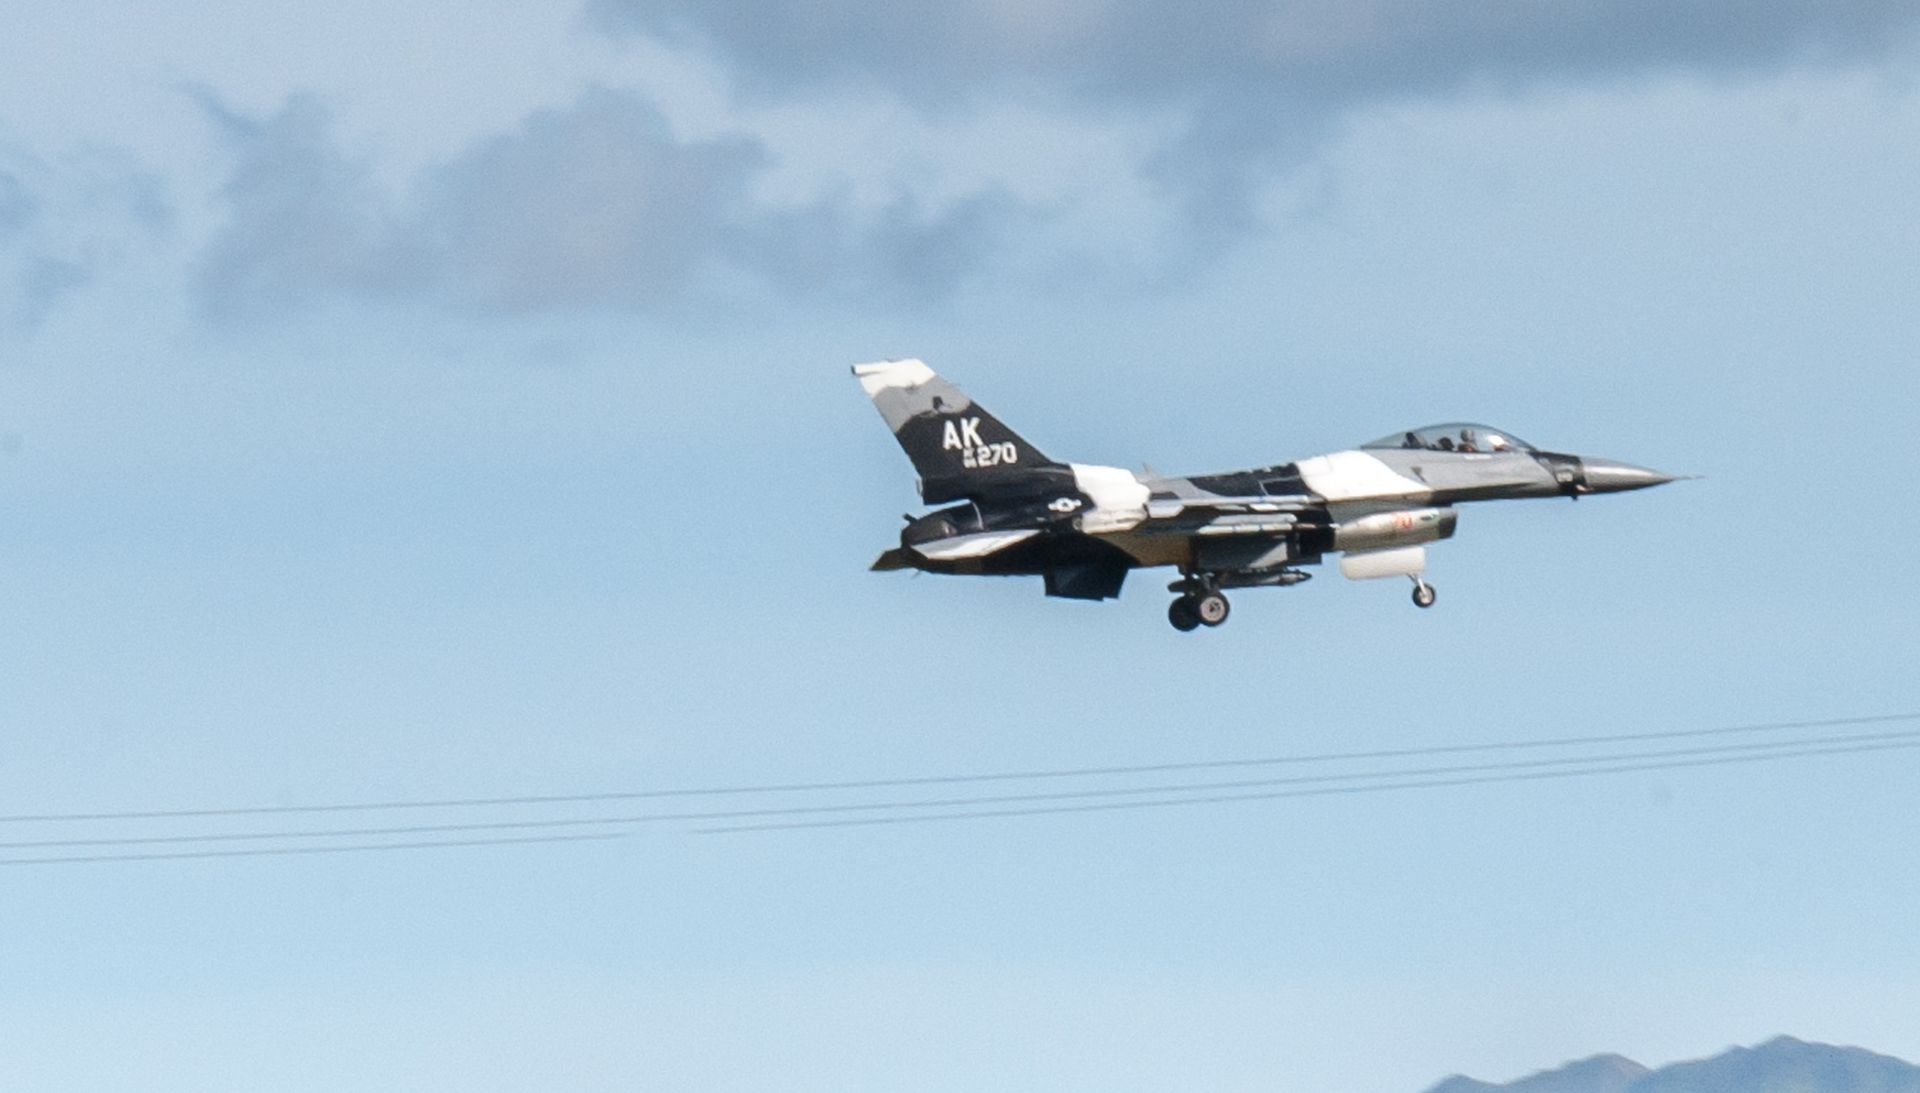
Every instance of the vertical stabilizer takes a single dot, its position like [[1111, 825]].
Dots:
[[959, 449]]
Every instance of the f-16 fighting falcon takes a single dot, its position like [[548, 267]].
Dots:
[[1082, 527]]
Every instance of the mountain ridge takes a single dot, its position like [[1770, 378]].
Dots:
[[1780, 1065]]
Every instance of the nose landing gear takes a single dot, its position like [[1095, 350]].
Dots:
[[1423, 593]]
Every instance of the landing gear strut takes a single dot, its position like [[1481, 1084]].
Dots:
[[1423, 593], [1200, 604]]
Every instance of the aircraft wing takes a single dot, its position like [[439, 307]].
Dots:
[[1248, 523], [1168, 505], [1226, 515]]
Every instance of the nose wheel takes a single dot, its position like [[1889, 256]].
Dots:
[[1197, 609], [1423, 593]]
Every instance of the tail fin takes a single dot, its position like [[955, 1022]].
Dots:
[[959, 450]]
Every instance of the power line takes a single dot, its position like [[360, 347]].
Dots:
[[1660, 759], [1325, 791], [283, 851], [950, 779]]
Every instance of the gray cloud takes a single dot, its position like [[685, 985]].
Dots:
[[62, 221], [1288, 51], [304, 220], [901, 252], [1261, 81], [43, 281], [17, 207], [597, 206]]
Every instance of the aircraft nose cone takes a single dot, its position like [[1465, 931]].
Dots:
[[1607, 476]]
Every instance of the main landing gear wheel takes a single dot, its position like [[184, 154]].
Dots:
[[1423, 593], [1199, 602], [1182, 615], [1211, 608]]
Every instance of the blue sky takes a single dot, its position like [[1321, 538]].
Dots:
[[454, 402]]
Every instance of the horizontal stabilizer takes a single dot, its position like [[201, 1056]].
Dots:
[[897, 558], [979, 545]]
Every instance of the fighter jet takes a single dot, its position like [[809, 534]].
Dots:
[[1011, 510]]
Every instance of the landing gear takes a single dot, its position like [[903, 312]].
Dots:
[[1182, 615], [1211, 608], [1423, 593], [1200, 604]]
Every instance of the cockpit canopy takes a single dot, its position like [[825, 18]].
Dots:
[[1458, 436]]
